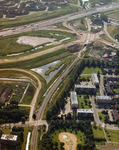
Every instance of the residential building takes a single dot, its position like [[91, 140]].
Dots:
[[103, 99], [84, 88], [9, 139], [74, 100], [112, 79], [85, 112], [116, 114], [94, 79]]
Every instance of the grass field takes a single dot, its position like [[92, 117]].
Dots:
[[38, 61], [15, 74], [82, 103], [29, 95], [60, 25], [80, 136], [105, 37], [116, 90], [98, 133], [90, 70], [112, 135], [102, 115], [113, 30], [9, 45], [113, 14], [82, 23], [36, 17], [6, 131]]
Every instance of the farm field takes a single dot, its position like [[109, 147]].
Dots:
[[113, 30], [113, 14], [29, 95], [18, 90]]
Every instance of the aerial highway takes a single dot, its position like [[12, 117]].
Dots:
[[36, 26]]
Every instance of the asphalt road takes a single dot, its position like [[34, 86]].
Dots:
[[36, 26]]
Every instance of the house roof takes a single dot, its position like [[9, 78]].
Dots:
[[116, 114]]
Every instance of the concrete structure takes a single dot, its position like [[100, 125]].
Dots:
[[84, 88], [74, 101], [94, 79], [85, 112], [103, 99], [9, 139]]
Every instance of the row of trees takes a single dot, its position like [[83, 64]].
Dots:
[[71, 79], [12, 114]]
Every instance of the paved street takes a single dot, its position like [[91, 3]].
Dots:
[[36, 26]]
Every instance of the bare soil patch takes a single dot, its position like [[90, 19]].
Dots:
[[75, 48], [72, 137], [33, 41]]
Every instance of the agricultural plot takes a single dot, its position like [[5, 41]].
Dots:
[[113, 30], [19, 92], [114, 14]]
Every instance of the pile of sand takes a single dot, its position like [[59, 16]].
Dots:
[[33, 41], [72, 139]]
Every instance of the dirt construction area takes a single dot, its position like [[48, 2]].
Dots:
[[69, 139], [33, 41]]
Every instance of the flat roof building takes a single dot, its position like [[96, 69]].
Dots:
[[9, 139], [84, 88], [74, 100], [94, 79], [116, 114], [103, 99], [85, 112]]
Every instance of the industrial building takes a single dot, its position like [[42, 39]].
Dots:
[[9, 139], [85, 112], [74, 101], [84, 88], [103, 99], [94, 79]]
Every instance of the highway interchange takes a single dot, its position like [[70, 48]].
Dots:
[[36, 26]]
